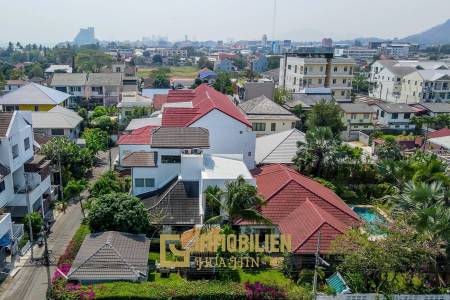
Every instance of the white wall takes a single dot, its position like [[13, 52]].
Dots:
[[228, 136]]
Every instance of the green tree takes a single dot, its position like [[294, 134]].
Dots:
[[118, 212], [389, 150], [35, 71], [360, 84], [91, 60], [2, 81], [240, 200], [223, 83], [273, 62], [161, 77], [157, 59], [108, 183], [326, 114], [37, 223], [282, 95], [17, 73], [105, 123], [379, 266], [74, 188], [96, 140]]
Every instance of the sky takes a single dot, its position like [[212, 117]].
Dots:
[[52, 21]]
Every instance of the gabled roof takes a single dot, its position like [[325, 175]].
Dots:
[[5, 120], [111, 255], [69, 79], [433, 75], [34, 94], [140, 159], [104, 79], [278, 147], [180, 137], [205, 73], [204, 99], [271, 179], [356, 108], [262, 106], [436, 107], [57, 117], [143, 122], [140, 136], [395, 107], [305, 221]]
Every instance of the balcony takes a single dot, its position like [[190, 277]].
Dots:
[[35, 190], [38, 165], [5, 224]]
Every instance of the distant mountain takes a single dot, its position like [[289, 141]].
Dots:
[[439, 34]]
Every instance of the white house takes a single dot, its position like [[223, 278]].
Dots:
[[394, 116], [58, 121], [24, 177]]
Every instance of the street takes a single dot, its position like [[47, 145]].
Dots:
[[31, 281]]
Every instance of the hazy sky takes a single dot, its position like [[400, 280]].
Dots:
[[52, 21]]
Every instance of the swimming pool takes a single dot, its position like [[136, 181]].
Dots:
[[369, 215]]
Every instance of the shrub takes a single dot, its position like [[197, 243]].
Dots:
[[262, 292]]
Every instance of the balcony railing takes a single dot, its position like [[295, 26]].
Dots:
[[18, 231]]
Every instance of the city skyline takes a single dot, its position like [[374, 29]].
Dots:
[[297, 20]]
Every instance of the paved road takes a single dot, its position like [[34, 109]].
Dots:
[[30, 283]]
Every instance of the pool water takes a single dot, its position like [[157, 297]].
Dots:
[[369, 215]]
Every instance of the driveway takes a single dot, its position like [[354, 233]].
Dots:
[[30, 283]]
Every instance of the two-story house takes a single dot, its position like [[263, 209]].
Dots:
[[426, 86], [104, 88], [267, 116], [394, 116], [71, 83], [170, 171], [358, 116], [34, 97], [58, 121]]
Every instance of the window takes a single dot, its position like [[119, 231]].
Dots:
[[320, 80], [335, 69], [321, 68], [57, 131], [407, 115], [344, 81], [395, 116], [397, 126], [293, 124], [118, 69], [407, 126], [295, 69], [15, 151], [366, 126], [170, 159], [273, 126], [2, 186], [334, 81], [342, 93], [26, 143], [366, 116], [249, 154], [353, 116], [345, 69], [36, 108], [382, 113], [289, 67], [144, 182], [97, 89], [295, 80], [259, 126]]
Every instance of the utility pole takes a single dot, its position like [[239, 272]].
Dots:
[[60, 176], [316, 265], [46, 257], [30, 228]]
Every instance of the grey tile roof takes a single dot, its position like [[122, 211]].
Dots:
[[104, 79], [69, 79], [110, 256], [180, 137], [356, 108], [57, 117], [436, 107], [396, 107], [177, 202], [140, 159], [5, 120], [34, 94], [278, 147], [256, 107]]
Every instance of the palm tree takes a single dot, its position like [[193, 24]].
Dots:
[[239, 200]]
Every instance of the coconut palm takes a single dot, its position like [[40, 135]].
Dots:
[[239, 200]]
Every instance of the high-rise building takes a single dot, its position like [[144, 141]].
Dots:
[[86, 36], [264, 40], [327, 42]]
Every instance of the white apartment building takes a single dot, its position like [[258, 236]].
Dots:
[[167, 52], [24, 177], [298, 73], [357, 53], [426, 86]]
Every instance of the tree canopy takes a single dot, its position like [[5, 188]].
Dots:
[[223, 83], [325, 114]]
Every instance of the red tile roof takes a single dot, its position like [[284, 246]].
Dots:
[[204, 99], [435, 134], [140, 136], [158, 101], [300, 206]]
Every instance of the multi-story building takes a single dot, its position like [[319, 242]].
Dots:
[[71, 83], [104, 88], [224, 65], [394, 116], [357, 116], [298, 73], [167, 52], [357, 53], [426, 86], [24, 177], [395, 50], [387, 77]]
